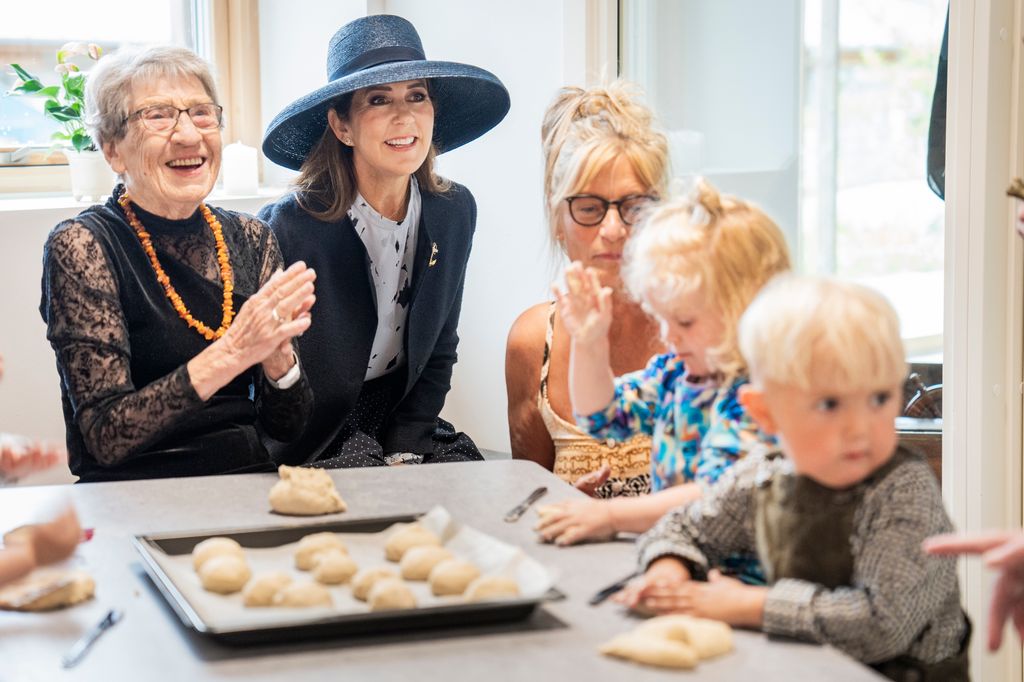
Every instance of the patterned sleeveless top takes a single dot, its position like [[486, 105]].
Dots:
[[577, 454]]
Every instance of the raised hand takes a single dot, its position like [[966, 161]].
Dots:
[[20, 456], [585, 306]]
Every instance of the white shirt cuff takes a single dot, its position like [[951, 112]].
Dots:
[[289, 379]]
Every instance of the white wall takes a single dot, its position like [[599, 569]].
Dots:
[[293, 56], [523, 44]]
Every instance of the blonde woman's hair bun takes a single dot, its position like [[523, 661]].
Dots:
[[708, 198]]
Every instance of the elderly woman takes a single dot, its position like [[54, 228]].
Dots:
[[171, 320], [604, 164], [389, 239]]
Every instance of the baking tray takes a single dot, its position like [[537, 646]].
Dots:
[[460, 614]]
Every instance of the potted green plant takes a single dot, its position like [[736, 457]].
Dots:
[[65, 103]]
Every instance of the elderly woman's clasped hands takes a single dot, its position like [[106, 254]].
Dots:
[[261, 333], [269, 320]]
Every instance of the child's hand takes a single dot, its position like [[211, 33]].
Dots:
[[49, 542], [589, 483], [585, 305], [663, 577], [572, 521], [720, 598], [21, 456]]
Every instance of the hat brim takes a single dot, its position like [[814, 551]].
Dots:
[[468, 101]]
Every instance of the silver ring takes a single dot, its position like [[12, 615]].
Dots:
[[276, 316]]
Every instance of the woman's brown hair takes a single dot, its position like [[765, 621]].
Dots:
[[326, 185]]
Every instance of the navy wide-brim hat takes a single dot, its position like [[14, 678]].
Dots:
[[379, 49]]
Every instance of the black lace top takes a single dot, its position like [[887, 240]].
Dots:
[[129, 405]]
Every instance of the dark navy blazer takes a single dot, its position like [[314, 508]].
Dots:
[[336, 349]]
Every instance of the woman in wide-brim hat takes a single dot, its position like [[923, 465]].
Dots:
[[389, 240]]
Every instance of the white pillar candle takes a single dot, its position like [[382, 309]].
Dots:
[[239, 169]]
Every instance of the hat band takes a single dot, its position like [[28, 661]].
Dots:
[[382, 55]]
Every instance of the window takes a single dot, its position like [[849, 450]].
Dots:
[[31, 34], [867, 211], [818, 110]]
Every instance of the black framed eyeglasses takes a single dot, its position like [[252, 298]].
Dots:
[[162, 118], [589, 210]]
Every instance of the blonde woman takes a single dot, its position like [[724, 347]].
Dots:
[[604, 165], [696, 264]]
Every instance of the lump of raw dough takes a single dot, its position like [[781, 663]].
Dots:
[[390, 593], [675, 641], [211, 547], [261, 590], [364, 580], [224, 574], [651, 650], [488, 587], [709, 638], [452, 576], [305, 492], [407, 537], [313, 544], [333, 567], [46, 590], [303, 595], [417, 563]]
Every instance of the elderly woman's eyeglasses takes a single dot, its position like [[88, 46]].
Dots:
[[162, 118], [589, 211]]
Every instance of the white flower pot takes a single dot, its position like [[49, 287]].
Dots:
[[91, 177]]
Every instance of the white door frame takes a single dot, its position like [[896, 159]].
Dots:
[[984, 281]]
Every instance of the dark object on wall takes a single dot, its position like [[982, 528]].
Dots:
[[919, 427], [937, 125]]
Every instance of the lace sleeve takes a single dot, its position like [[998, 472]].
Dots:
[[283, 413], [86, 327]]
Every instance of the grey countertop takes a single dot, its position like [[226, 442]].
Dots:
[[559, 642]]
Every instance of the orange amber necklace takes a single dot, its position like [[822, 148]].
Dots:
[[161, 276]]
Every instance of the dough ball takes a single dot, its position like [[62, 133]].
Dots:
[[313, 544], [417, 563], [47, 589], [211, 547], [303, 595], [305, 491], [452, 576], [407, 537], [390, 593], [333, 567], [488, 587], [225, 574], [709, 638], [651, 650], [364, 580], [261, 590]]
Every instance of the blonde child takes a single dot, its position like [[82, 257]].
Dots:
[[837, 513], [695, 264]]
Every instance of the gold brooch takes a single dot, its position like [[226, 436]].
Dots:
[[433, 255]]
